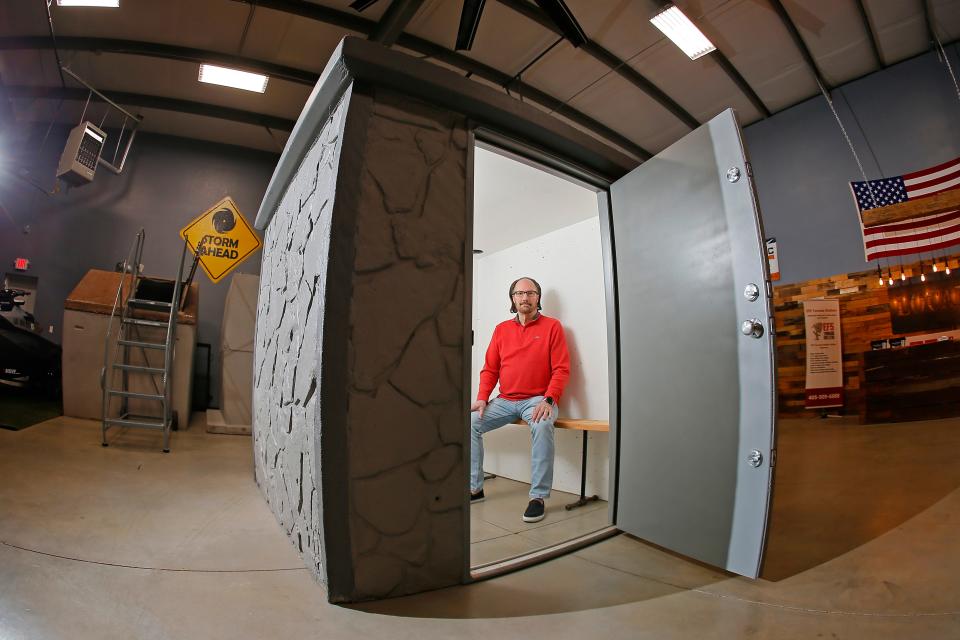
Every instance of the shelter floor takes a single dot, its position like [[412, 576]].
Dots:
[[497, 529], [128, 542]]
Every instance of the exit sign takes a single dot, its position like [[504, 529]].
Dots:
[[21, 264]]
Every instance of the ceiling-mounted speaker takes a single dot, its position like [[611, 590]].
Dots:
[[561, 16], [469, 21], [360, 5]]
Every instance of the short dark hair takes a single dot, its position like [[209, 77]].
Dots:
[[513, 306]]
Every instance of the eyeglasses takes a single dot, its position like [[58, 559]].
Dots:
[[520, 294]]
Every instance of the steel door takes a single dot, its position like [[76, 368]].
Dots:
[[695, 427]]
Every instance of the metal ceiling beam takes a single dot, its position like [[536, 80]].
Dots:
[[554, 105], [874, 45], [472, 67], [20, 92], [166, 51], [724, 63], [336, 18], [610, 60], [394, 21], [186, 54], [930, 23], [798, 41]]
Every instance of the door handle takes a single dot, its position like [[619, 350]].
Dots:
[[752, 327]]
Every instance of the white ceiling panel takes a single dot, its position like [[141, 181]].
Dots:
[[762, 51], [699, 86], [945, 15], [836, 37], [524, 199], [898, 27], [505, 40], [22, 18], [373, 12], [215, 25], [437, 21], [622, 107], [291, 40], [213, 130], [620, 26], [30, 68], [156, 121], [748, 32], [564, 72]]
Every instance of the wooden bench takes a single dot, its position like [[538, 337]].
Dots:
[[579, 425]]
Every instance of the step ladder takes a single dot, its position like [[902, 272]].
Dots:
[[130, 356]]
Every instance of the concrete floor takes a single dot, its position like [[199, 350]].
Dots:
[[126, 542]]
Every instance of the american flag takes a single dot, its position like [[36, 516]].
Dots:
[[919, 235]]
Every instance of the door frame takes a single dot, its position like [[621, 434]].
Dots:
[[533, 156]]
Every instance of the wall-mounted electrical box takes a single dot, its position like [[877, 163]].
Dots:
[[81, 155]]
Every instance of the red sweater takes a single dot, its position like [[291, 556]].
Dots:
[[529, 360]]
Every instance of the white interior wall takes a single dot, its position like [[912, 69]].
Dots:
[[567, 261]]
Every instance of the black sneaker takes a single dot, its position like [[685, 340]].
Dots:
[[477, 497], [535, 511]]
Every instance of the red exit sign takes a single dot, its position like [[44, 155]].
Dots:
[[21, 264]]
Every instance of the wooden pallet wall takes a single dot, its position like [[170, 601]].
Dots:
[[864, 316]]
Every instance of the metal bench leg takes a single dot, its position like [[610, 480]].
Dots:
[[583, 479]]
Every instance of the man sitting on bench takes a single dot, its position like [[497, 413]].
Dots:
[[528, 355]]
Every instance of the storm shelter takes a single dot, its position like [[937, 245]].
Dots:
[[362, 358]]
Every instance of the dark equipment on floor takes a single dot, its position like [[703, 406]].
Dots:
[[27, 359]]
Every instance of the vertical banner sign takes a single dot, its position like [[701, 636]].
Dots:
[[824, 355], [773, 258]]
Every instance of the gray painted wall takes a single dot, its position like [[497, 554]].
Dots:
[[902, 119], [166, 183]]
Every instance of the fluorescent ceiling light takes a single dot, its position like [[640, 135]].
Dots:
[[88, 3], [684, 33], [213, 74]]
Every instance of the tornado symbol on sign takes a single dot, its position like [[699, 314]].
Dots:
[[223, 221]]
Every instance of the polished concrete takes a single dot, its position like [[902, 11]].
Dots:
[[128, 542]]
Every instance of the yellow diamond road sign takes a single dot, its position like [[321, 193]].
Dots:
[[222, 238]]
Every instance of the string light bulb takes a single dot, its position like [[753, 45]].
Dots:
[[923, 277], [880, 275], [903, 276]]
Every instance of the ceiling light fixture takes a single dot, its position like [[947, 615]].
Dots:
[[212, 74], [678, 27], [112, 4]]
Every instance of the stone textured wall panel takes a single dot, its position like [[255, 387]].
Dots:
[[287, 355], [407, 413], [369, 318]]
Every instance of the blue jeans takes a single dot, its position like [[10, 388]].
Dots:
[[499, 412]]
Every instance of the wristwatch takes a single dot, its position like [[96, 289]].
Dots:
[[548, 400]]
